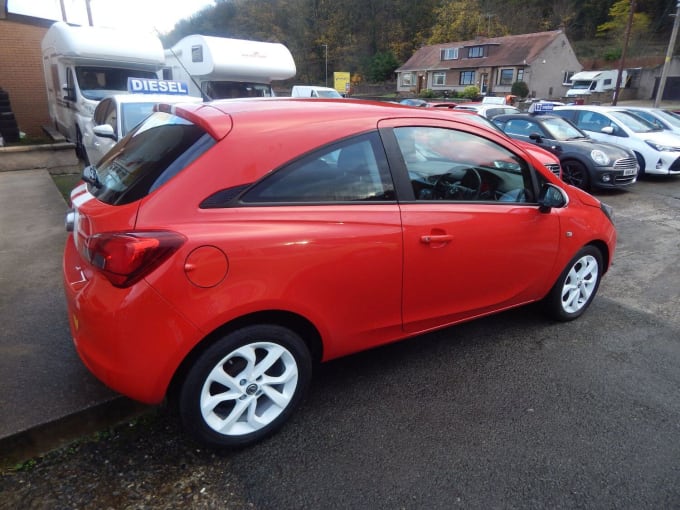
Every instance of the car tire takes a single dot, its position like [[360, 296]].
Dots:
[[245, 386], [575, 173], [576, 287], [641, 163]]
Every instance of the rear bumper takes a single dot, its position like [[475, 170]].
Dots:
[[130, 339]]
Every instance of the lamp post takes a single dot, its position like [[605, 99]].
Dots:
[[325, 47]]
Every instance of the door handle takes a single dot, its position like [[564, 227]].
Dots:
[[436, 238]]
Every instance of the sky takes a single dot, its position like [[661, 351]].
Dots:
[[144, 15]]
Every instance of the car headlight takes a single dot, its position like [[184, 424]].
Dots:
[[661, 147], [599, 157]]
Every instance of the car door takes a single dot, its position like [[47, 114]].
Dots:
[[474, 239]]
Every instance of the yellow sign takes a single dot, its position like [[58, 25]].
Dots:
[[342, 82]]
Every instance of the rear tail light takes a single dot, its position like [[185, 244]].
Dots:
[[124, 258]]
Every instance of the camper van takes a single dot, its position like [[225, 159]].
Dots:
[[84, 64], [587, 82], [219, 67]]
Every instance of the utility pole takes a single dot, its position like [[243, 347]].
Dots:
[[623, 53], [669, 57]]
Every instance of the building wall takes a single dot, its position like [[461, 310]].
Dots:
[[21, 73], [548, 69]]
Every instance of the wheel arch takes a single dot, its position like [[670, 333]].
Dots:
[[295, 322], [604, 250]]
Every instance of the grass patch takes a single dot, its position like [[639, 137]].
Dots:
[[65, 183]]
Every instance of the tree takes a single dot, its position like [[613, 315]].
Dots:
[[519, 89], [615, 27]]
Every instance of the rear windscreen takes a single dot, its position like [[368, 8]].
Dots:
[[147, 157]]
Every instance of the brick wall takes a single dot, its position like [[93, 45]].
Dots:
[[21, 74]]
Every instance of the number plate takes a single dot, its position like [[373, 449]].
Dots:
[[629, 171]]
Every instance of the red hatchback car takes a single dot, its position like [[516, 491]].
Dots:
[[220, 250]]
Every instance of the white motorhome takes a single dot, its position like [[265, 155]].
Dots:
[[219, 67], [587, 82], [84, 64]]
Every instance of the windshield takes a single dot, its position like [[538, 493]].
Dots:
[[329, 93], [134, 113], [97, 82], [147, 157], [561, 129], [235, 89], [581, 85], [633, 122]]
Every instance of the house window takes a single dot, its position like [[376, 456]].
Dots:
[[520, 74], [439, 78], [566, 78], [406, 79], [467, 78], [506, 76], [449, 54], [476, 52]]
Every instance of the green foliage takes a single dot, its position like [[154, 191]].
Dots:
[[617, 23], [382, 66], [470, 92], [519, 89], [427, 94]]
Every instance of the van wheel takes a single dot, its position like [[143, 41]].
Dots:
[[80, 148], [245, 386]]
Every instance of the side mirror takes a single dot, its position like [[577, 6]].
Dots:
[[551, 197], [69, 93], [536, 137], [608, 130], [104, 131]]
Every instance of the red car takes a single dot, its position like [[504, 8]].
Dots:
[[220, 250]]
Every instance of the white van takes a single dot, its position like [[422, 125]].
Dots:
[[84, 64], [314, 91], [219, 67]]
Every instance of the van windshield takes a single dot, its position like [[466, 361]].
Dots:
[[236, 89], [158, 149], [97, 82]]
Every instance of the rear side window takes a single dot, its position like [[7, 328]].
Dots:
[[147, 157]]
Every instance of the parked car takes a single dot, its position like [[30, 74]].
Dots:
[[585, 162], [657, 151], [548, 159], [663, 119], [488, 110], [116, 115], [223, 249]]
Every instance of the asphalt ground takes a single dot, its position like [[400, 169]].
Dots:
[[47, 395]]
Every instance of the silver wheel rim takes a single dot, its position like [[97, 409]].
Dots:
[[249, 388], [579, 284]]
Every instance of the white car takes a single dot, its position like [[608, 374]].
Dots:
[[657, 151], [116, 115], [489, 110], [660, 118]]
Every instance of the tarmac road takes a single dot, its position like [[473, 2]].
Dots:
[[511, 411]]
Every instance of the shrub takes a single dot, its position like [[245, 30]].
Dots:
[[471, 92], [520, 89]]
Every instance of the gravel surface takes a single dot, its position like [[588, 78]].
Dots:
[[119, 469]]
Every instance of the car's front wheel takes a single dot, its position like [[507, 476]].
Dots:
[[576, 174], [577, 285], [245, 386]]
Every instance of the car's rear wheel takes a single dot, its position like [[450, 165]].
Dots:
[[245, 385], [576, 174], [577, 285]]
